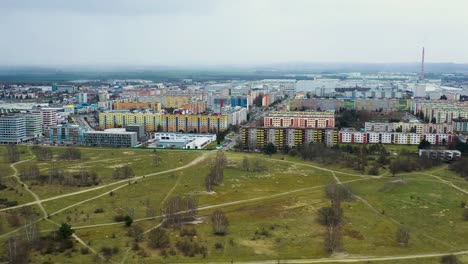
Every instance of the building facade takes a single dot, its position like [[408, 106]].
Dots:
[[166, 123], [12, 129], [65, 134], [33, 124], [155, 106], [259, 137], [300, 119], [460, 125], [121, 139], [347, 136]]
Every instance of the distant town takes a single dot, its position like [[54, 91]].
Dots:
[[343, 108]]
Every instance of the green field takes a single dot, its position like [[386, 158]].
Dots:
[[272, 213]]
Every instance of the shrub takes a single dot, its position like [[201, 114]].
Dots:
[[218, 245]]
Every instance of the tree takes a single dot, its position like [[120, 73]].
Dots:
[[71, 153], [219, 222], [403, 236], [158, 238], [216, 174], [128, 220], [270, 149], [178, 209], [123, 172], [156, 160], [136, 232], [424, 144], [394, 167], [443, 97], [449, 259], [12, 154], [65, 231], [245, 164]]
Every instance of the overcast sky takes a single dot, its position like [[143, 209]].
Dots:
[[210, 32]]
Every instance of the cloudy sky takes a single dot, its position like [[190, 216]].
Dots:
[[211, 32]]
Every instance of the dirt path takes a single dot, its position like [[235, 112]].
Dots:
[[38, 201], [346, 260], [26, 187]]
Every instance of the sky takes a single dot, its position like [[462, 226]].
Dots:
[[231, 32]]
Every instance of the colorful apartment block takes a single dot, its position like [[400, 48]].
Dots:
[[166, 123], [259, 137], [155, 106], [300, 119]]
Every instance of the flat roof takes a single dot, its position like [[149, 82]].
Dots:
[[110, 132]]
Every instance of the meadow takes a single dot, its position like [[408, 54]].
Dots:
[[272, 212]]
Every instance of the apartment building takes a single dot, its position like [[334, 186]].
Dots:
[[155, 106], [418, 128], [166, 123], [300, 119], [119, 139], [49, 118], [65, 134], [259, 137], [346, 136], [460, 125]]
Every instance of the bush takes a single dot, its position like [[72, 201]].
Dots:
[[465, 214], [188, 232], [158, 238], [218, 245], [99, 210], [190, 248], [84, 251], [449, 259]]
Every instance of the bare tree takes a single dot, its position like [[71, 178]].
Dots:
[[31, 231], [403, 235], [245, 164], [219, 222], [333, 239], [12, 154], [156, 160], [179, 209], [123, 172]]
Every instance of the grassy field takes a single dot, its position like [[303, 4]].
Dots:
[[272, 213]]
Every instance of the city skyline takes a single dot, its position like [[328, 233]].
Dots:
[[181, 32]]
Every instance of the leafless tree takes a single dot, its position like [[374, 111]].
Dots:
[[12, 154], [245, 164], [219, 222], [123, 172], [179, 209], [403, 236]]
